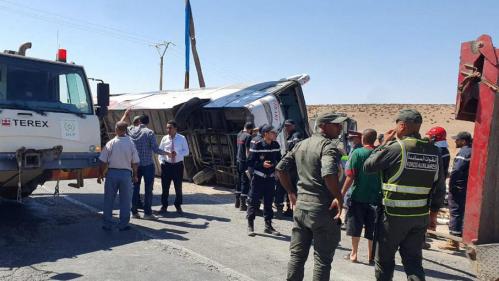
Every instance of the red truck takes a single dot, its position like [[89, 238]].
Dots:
[[478, 101]]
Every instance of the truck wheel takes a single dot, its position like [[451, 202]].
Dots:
[[204, 176], [187, 109]]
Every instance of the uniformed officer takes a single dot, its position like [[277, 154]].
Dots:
[[458, 183], [318, 199], [292, 138], [257, 135], [411, 167], [263, 158], [243, 146]]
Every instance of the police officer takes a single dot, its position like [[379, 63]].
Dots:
[[318, 199], [243, 145], [458, 183], [257, 135], [411, 167], [292, 138], [263, 158]]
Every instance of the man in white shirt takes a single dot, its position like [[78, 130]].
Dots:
[[172, 165]]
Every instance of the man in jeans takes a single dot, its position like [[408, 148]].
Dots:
[[120, 158], [145, 142]]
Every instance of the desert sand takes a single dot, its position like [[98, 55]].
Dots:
[[381, 117]]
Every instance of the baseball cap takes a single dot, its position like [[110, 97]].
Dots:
[[331, 118], [354, 134], [462, 136], [267, 128], [409, 115], [136, 118], [289, 122]]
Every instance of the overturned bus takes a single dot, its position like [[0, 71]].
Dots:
[[210, 119]]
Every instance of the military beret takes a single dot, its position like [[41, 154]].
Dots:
[[289, 122], [409, 115], [331, 118]]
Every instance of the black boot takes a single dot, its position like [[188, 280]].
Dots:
[[251, 228], [269, 229], [280, 212], [289, 212], [238, 201], [244, 206]]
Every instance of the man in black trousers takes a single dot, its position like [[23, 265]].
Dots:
[[172, 165]]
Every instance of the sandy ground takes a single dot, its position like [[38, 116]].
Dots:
[[381, 117]]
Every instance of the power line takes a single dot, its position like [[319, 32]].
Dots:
[[161, 48], [116, 33]]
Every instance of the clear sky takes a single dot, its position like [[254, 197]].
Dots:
[[354, 51]]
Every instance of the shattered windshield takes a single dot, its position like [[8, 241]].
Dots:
[[42, 86]]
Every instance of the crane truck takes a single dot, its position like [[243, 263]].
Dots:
[[49, 126]]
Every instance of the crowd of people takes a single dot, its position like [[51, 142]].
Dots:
[[391, 185], [128, 158], [393, 189]]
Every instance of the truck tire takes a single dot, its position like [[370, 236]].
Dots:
[[204, 176], [186, 110]]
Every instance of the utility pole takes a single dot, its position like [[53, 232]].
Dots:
[[190, 41], [161, 48]]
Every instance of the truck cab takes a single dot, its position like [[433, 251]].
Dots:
[[49, 129]]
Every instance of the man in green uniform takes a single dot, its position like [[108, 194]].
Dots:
[[410, 168], [319, 200]]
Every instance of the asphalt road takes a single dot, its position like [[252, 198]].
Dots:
[[48, 238]]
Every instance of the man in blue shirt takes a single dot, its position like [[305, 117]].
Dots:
[[145, 142]]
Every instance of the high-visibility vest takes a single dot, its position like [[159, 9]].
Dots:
[[406, 189]]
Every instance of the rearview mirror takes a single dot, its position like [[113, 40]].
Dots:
[[103, 94]]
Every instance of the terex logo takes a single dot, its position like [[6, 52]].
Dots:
[[7, 122]]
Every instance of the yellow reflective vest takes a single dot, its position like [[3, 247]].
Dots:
[[407, 189]]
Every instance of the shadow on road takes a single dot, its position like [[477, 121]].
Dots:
[[39, 231], [442, 275]]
